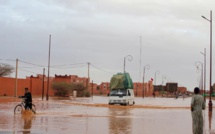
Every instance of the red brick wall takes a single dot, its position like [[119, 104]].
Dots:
[[182, 90], [35, 85], [7, 86], [138, 89], [104, 88]]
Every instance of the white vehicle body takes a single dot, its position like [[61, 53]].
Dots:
[[121, 96]]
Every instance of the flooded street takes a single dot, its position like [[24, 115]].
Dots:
[[93, 115]]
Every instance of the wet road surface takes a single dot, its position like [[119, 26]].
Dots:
[[93, 116]]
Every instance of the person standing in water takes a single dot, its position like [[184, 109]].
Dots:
[[197, 105]]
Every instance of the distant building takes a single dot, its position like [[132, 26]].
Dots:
[[158, 88], [36, 85], [182, 90], [171, 87]]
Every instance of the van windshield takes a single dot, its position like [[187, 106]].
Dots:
[[118, 92]]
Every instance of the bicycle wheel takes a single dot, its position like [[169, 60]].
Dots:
[[34, 108], [18, 109]]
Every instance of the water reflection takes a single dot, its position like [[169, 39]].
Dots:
[[119, 121], [27, 118], [209, 118], [58, 116]]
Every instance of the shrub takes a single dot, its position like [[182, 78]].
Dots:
[[80, 88], [61, 88]]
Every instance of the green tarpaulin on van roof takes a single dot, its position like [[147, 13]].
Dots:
[[121, 81]]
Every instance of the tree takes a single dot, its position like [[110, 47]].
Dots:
[[61, 88], [64, 89], [5, 70], [80, 88]]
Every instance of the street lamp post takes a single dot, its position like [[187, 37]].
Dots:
[[163, 77], [201, 80], [144, 69], [157, 72], [204, 70], [130, 58], [210, 20]]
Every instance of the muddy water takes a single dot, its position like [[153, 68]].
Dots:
[[93, 115]]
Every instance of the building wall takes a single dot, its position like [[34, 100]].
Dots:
[[71, 79], [104, 89], [182, 90], [34, 84], [143, 90], [171, 87], [138, 88], [7, 86]]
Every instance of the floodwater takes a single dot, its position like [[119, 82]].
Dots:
[[95, 116]]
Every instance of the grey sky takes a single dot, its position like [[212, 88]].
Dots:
[[103, 32]]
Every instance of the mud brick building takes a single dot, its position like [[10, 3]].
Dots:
[[38, 85]]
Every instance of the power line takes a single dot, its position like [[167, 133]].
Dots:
[[101, 69], [67, 67], [62, 66], [68, 64], [32, 63], [27, 71], [10, 59]]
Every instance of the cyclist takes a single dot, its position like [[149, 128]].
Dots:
[[28, 99]]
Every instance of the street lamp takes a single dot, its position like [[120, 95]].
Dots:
[[197, 66], [130, 58], [144, 69], [204, 70], [157, 72], [163, 77], [210, 20]]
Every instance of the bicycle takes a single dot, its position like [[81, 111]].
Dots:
[[20, 107]]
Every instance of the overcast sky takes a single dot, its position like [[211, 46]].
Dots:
[[167, 35]]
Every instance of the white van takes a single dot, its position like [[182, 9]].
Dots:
[[121, 96]]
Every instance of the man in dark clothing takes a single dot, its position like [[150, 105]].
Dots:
[[28, 99]]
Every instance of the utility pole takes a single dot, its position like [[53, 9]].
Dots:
[[144, 68], [88, 82], [43, 83], [88, 63], [15, 90], [92, 89], [143, 82], [47, 93], [140, 55]]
